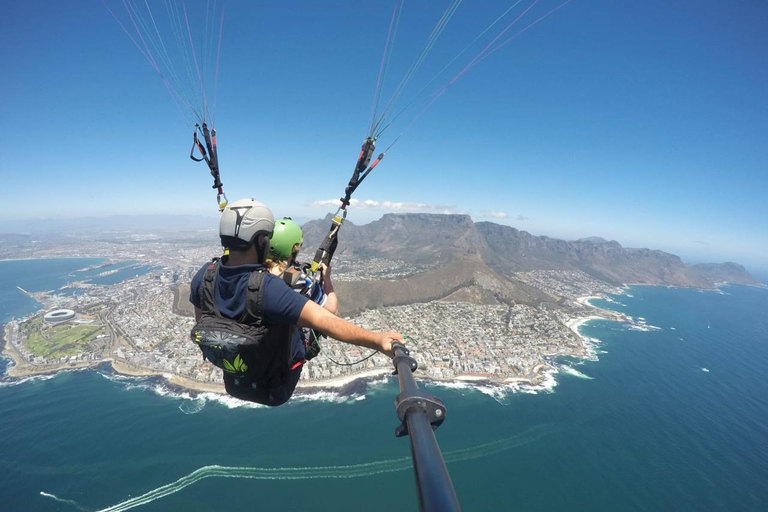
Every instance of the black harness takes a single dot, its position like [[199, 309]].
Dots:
[[255, 358]]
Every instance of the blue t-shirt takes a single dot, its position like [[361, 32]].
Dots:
[[281, 304]]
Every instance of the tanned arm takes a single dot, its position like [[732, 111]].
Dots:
[[324, 321]]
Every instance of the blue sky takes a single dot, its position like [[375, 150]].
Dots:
[[643, 122]]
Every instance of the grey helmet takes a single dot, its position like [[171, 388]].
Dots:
[[242, 221]]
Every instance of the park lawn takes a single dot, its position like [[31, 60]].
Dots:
[[63, 340]]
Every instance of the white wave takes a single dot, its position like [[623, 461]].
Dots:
[[575, 373], [9, 362], [230, 401], [377, 383], [10, 381], [546, 386], [497, 391], [159, 387], [323, 396], [613, 301], [590, 345], [644, 327], [192, 406]]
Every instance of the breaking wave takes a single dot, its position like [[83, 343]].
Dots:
[[569, 370]]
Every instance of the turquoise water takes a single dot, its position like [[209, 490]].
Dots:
[[643, 428]]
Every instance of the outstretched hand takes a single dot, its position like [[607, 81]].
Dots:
[[325, 274], [385, 340]]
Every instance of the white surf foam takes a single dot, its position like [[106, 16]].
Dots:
[[192, 406], [574, 372], [10, 382]]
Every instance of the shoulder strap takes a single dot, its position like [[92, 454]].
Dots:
[[208, 289], [254, 302]]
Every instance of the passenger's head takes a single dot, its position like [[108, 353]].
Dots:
[[246, 225], [285, 243]]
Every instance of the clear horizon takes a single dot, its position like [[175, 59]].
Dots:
[[643, 123], [757, 268]]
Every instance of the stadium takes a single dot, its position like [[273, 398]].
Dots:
[[59, 315]]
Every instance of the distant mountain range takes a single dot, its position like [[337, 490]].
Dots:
[[479, 260], [107, 223]]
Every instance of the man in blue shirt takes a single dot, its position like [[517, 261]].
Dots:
[[245, 229]]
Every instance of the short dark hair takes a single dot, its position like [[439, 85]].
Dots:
[[238, 245], [235, 244]]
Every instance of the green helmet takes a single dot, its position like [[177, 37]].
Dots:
[[284, 237]]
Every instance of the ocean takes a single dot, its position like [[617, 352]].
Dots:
[[672, 417]]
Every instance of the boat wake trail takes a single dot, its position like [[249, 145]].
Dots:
[[316, 472], [69, 502]]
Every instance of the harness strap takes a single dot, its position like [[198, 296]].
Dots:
[[254, 303], [208, 295]]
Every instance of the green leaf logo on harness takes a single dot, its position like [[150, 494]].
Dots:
[[237, 366], [222, 349]]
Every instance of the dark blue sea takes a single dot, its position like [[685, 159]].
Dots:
[[674, 418]]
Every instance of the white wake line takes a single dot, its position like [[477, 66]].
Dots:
[[331, 472]]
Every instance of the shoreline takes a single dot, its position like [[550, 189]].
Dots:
[[21, 368], [575, 323], [343, 380]]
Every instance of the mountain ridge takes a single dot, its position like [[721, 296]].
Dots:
[[484, 257]]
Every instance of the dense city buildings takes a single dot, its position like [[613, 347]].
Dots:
[[142, 323]]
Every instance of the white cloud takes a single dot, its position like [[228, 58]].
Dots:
[[390, 206]]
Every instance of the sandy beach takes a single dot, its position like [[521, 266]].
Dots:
[[584, 301], [575, 323]]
